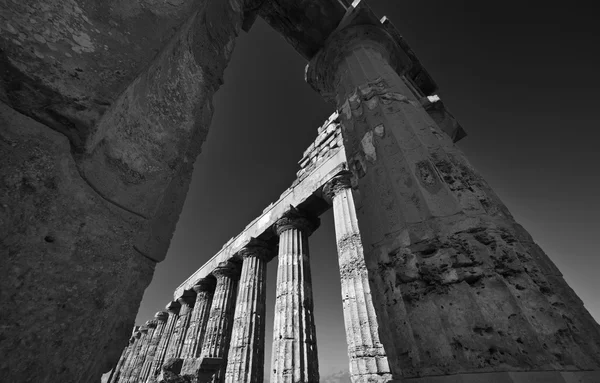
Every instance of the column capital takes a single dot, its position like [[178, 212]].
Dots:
[[161, 316], [187, 298], [257, 248], [204, 285], [173, 307], [143, 329], [296, 219], [336, 184], [227, 269], [151, 323]]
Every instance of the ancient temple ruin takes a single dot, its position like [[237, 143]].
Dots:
[[439, 283]]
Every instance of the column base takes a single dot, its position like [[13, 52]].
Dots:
[[511, 377]]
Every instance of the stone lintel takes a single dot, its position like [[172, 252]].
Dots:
[[295, 196]]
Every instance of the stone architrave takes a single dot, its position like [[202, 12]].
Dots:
[[139, 363], [294, 357], [368, 361], [458, 286], [204, 290], [215, 345], [179, 333], [161, 321], [245, 361], [163, 344], [122, 361]]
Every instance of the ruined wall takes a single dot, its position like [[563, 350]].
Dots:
[[104, 109]]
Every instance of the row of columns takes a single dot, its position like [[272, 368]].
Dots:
[[219, 328]]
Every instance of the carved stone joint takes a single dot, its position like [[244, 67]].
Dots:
[[335, 185], [295, 219]]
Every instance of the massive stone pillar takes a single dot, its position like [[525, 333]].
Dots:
[[245, 361], [215, 345], [97, 144], [294, 357], [204, 290], [368, 361], [458, 286], [181, 326], [139, 362], [163, 344], [161, 321]]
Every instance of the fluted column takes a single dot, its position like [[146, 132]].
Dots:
[[294, 356], [163, 344], [139, 362], [161, 321], [192, 346], [139, 335], [218, 329], [183, 321], [122, 361], [368, 361], [245, 361]]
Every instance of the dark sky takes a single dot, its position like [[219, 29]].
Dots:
[[521, 77]]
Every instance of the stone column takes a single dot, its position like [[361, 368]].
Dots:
[[122, 361], [161, 321], [137, 368], [245, 361], [218, 329], [139, 335], [458, 286], [163, 344], [204, 290], [294, 356], [368, 361], [183, 321]]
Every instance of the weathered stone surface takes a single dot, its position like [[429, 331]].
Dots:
[[204, 290], [179, 332], [245, 360], [215, 345], [368, 360], [163, 344], [457, 285], [294, 356], [161, 321], [68, 267]]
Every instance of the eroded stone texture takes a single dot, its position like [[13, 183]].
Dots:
[[139, 362], [294, 357], [204, 290], [129, 85], [163, 344], [215, 345], [161, 321], [67, 268], [245, 361], [120, 367], [457, 285], [183, 321], [368, 360], [133, 357]]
